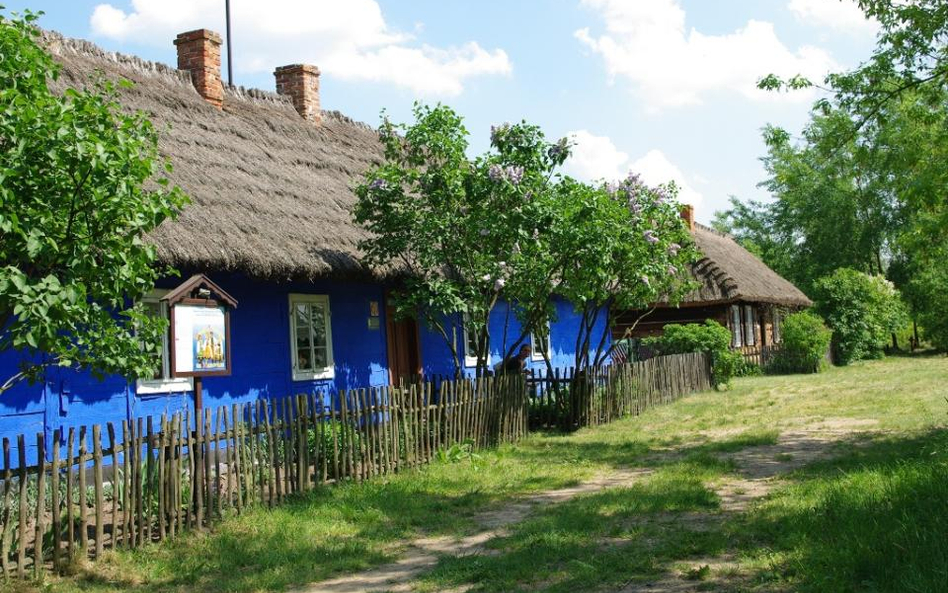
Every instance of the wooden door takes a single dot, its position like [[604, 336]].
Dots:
[[404, 351]]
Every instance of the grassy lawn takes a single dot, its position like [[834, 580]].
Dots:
[[872, 518]]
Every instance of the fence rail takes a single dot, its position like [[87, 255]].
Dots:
[[127, 485]]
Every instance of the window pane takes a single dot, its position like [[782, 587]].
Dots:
[[302, 315], [304, 359], [736, 337], [302, 340], [320, 359]]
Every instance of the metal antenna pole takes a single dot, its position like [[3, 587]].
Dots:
[[230, 62]]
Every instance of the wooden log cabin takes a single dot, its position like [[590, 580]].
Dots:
[[735, 288]]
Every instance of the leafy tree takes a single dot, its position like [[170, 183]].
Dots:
[[468, 232], [862, 310], [74, 210], [463, 231]]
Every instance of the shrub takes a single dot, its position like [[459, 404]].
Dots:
[[710, 337], [805, 341], [343, 434], [862, 311]]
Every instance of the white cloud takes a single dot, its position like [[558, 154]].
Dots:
[[647, 44], [839, 15], [596, 158], [348, 40]]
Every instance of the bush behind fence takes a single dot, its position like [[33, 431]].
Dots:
[[160, 477]]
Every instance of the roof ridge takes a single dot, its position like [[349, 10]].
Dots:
[[57, 44]]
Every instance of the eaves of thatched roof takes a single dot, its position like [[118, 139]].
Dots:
[[271, 193], [729, 273]]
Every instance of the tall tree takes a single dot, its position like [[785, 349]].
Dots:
[[468, 232], [75, 206]]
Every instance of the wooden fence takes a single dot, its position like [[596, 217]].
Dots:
[[567, 400], [124, 486]]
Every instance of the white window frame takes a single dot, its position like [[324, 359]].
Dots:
[[535, 354], [470, 360], [777, 330], [166, 383], [737, 326], [327, 372], [750, 325]]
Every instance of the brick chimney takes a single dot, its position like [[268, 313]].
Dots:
[[300, 82], [199, 52], [688, 215]]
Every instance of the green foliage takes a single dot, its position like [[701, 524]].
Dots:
[[862, 311], [506, 224], [868, 179], [74, 211], [805, 342], [710, 337], [460, 452], [329, 437]]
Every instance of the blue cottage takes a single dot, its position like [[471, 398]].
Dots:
[[270, 177]]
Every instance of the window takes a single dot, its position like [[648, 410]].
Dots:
[[750, 326], [162, 382], [310, 337], [778, 318], [737, 336], [470, 343], [540, 343]]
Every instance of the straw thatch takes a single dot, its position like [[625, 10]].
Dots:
[[727, 273], [271, 193]]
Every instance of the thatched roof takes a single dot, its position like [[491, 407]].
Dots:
[[727, 272], [271, 193]]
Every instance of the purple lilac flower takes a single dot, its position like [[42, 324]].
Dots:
[[496, 173], [650, 236], [497, 132], [486, 277], [673, 249], [378, 184], [612, 188], [514, 174], [644, 280], [672, 271], [499, 284]]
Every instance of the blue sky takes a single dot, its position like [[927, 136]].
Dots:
[[662, 87]]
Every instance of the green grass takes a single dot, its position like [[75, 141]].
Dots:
[[853, 523], [874, 519]]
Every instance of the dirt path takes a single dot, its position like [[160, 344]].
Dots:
[[422, 553], [759, 471]]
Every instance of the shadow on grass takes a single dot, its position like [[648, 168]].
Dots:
[[596, 540], [309, 538], [874, 519]]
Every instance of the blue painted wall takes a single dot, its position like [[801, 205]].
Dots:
[[436, 356], [260, 341]]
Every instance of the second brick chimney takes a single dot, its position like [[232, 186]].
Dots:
[[300, 82], [688, 215], [199, 52]]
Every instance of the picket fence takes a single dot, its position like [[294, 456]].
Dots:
[[153, 479]]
